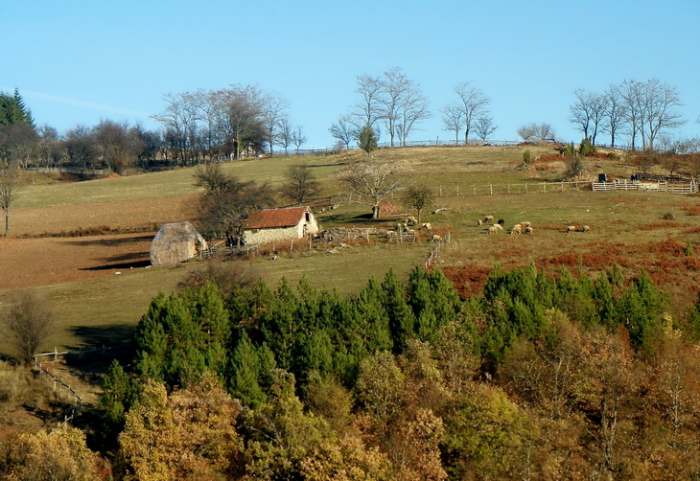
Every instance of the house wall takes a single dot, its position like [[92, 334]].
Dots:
[[266, 236]]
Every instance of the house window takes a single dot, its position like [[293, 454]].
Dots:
[[308, 217]]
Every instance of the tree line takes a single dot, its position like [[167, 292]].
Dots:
[[638, 109]]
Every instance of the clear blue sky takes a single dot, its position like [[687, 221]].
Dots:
[[79, 61]]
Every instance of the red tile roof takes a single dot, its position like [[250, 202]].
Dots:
[[275, 218]]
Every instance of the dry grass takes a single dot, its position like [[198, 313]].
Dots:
[[95, 305]]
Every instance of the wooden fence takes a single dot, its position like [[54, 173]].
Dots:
[[626, 185], [457, 190]]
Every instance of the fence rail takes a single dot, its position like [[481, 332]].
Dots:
[[679, 188]]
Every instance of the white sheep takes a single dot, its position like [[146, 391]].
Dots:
[[488, 219], [516, 230], [529, 229], [493, 229]]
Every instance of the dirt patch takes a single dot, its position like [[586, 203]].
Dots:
[[469, 280], [35, 262], [661, 225], [693, 210]]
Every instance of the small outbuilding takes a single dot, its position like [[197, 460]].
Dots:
[[176, 243], [275, 225]]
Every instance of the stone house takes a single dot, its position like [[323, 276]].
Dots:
[[278, 225]]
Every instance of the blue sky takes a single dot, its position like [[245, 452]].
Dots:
[[79, 61]]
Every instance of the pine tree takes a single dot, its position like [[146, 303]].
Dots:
[[246, 370], [401, 318], [22, 114]]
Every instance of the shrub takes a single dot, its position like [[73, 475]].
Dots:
[[668, 216], [30, 322], [527, 158], [586, 147], [60, 454]]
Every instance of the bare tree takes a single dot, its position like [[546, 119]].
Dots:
[[658, 109], [344, 131], [8, 184], [413, 109], [631, 93], [394, 86], [542, 132], [614, 112], [273, 111], [588, 113], [298, 138], [373, 181], [484, 127], [226, 202], [598, 115], [285, 134], [30, 323], [453, 120], [180, 118], [300, 185], [369, 109], [473, 103]]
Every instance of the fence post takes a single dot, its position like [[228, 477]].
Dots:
[[544, 187], [491, 188], [440, 194], [562, 186]]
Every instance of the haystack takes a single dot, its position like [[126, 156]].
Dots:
[[176, 243]]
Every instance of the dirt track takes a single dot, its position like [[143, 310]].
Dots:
[[35, 262]]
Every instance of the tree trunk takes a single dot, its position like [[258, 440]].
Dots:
[[375, 211], [7, 222]]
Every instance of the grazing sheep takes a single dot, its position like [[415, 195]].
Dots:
[[501, 222], [526, 224], [410, 220], [516, 230], [528, 229], [488, 219], [585, 228], [570, 228], [498, 227], [436, 238], [493, 229], [426, 226], [479, 222]]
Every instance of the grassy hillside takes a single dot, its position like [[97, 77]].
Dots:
[[92, 302]]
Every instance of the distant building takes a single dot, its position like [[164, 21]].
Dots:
[[274, 225]]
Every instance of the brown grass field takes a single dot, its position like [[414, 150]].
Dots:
[[71, 239]]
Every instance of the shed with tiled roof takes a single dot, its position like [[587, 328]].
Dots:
[[274, 225]]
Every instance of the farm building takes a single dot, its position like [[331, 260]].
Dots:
[[273, 225], [175, 243]]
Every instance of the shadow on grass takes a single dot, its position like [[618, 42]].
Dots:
[[111, 241], [98, 346], [119, 265], [128, 257]]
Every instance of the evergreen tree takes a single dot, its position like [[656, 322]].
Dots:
[[639, 310], [246, 372], [119, 393], [401, 318]]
